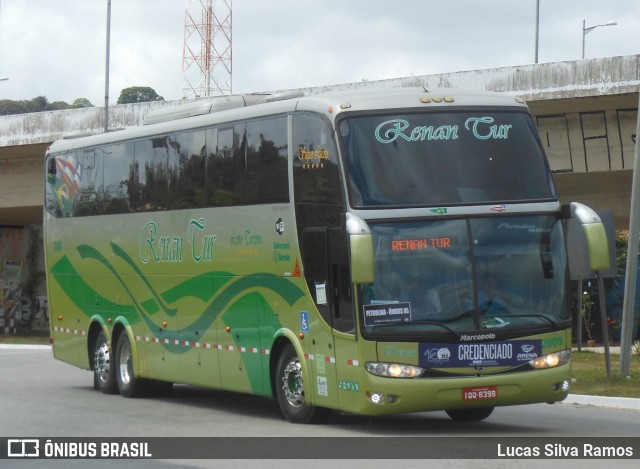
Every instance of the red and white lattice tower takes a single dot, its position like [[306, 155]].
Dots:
[[206, 57]]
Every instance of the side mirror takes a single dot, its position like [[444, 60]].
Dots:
[[594, 232], [361, 250]]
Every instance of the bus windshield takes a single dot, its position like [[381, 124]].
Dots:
[[437, 158], [455, 277]]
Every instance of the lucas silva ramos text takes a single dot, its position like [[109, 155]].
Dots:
[[559, 450]]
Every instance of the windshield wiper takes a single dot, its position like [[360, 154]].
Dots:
[[469, 312], [536, 315], [498, 317], [436, 323]]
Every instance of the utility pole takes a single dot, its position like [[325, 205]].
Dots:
[[106, 73], [537, 28], [631, 275]]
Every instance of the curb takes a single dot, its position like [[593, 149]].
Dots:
[[601, 401], [24, 347]]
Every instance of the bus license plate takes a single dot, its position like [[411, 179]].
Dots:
[[480, 394]]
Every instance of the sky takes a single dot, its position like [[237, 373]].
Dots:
[[57, 48]]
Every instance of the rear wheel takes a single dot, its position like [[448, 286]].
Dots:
[[103, 366], [469, 415], [128, 384], [291, 393]]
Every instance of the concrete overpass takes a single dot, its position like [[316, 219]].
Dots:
[[585, 111]]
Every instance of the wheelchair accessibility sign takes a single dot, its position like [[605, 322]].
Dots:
[[304, 321]]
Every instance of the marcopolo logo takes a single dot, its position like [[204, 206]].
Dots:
[[476, 337]]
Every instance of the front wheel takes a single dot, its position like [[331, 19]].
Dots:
[[469, 415], [128, 384], [290, 391], [104, 369]]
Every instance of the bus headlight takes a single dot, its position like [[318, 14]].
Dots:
[[393, 370], [551, 360]]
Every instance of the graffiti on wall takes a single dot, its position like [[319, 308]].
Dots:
[[21, 305], [589, 141]]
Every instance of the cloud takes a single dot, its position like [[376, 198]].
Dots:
[[57, 48]]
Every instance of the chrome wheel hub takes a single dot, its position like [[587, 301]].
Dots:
[[125, 364], [102, 362], [292, 384]]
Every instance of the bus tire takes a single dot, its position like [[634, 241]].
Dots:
[[469, 415], [128, 384], [290, 391], [104, 378]]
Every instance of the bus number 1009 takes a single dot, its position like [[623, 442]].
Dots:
[[480, 394]]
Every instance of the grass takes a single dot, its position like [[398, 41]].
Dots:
[[588, 368], [590, 375], [34, 338]]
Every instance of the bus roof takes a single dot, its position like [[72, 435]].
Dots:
[[394, 98], [219, 110]]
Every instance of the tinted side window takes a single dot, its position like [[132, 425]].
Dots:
[[63, 187], [239, 164], [152, 168], [267, 180], [91, 197], [188, 190], [315, 162], [225, 165], [316, 174], [116, 161]]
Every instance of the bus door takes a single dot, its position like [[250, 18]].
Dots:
[[326, 267]]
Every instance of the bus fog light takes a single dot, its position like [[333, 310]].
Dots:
[[392, 398], [375, 397], [551, 360], [563, 386]]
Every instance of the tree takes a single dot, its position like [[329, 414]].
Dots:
[[57, 106], [9, 107], [138, 94], [37, 104], [81, 102]]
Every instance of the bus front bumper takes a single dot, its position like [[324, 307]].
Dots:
[[393, 395]]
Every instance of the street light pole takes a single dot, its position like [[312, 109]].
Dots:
[[586, 30], [2, 78], [106, 79], [537, 28]]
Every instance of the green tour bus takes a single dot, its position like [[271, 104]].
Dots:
[[373, 252]]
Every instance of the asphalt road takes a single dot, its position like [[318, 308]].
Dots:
[[43, 398]]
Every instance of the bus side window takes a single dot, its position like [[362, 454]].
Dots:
[[117, 160], [90, 201], [225, 166], [267, 174], [53, 203], [187, 189]]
